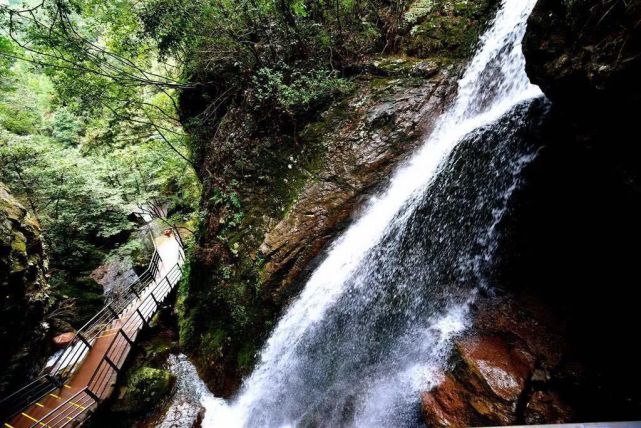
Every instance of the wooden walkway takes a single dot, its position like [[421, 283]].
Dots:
[[90, 365]]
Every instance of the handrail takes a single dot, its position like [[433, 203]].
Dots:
[[64, 366], [139, 318], [70, 357], [58, 411], [116, 353]]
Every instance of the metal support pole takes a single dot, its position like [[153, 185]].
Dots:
[[85, 341], [144, 321], [92, 395], [155, 300], [112, 310], [54, 380]]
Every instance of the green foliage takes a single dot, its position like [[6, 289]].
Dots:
[[298, 92], [445, 27], [82, 190], [147, 388], [6, 50], [65, 127], [282, 56]]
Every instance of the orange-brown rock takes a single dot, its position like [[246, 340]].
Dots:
[[500, 371], [499, 368], [64, 339], [447, 405]]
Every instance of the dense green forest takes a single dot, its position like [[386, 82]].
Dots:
[[84, 149]]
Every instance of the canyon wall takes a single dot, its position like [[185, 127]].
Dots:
[[23, 293]]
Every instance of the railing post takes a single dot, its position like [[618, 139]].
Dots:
[[112, 310], [54, 380], [85, 341], [144, 321], [155, 300], [92, 395]]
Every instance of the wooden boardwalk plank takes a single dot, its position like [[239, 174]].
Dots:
[[96, 374]]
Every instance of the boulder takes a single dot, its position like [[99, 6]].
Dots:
[[499, 369], [62, 340], [147, 388], [447, 405], [503, 370]]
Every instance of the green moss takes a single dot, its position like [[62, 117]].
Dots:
[[213, 340], [19, 243], [446, 27], [246, 357], [146, 389], [418, 10]]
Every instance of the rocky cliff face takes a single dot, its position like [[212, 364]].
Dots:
[[585, 54], [261, 236], [278, 190], [553, 347], [23, 292]]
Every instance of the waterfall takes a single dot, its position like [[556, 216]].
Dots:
[[375, 321]]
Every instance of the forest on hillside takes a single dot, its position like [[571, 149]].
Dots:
[[86, 142]]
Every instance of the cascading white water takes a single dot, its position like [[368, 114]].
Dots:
[[372, 325]]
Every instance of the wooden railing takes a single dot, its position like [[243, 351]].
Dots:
[[78, 407], [121, 320]]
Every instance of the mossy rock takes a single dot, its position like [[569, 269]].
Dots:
[[445, 27], [146, 388], [24, 294]]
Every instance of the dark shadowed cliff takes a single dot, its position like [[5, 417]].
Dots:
[[23, 293], [558, 328]]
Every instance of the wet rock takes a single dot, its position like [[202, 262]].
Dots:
[[62, 340], [546, 407], [447, 405], [359, 155], [502, 369], [485, 387], [500, 372], [182, 415], [186, 408]]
